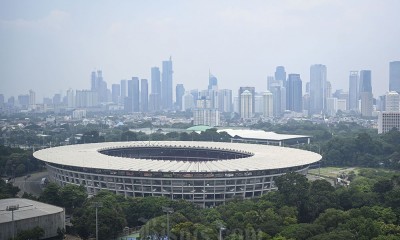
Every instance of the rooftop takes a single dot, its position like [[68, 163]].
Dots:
[[27, 209], [260, 134], [262, 157]]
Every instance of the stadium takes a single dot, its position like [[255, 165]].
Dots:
[[206, 173]]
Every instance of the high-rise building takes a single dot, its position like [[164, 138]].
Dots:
[[136, 94], [93, 83], [167, 82], [317, 88], [381, 103], [280, 74], [366, 96], [306, 102], [392, 102], [132, 101], [331, 106], [205, 115], [195, 94], [246, 105], [294, 93], [270, 81], [116, 93], [394, 76], [70, 98], [11, 101], [32, 100], [188, 102], [225, 100], [353, 91], [179, 91], [84, 98], [278, 92], [212, 82], [387, 121], [99, 85], [365, 81], [268, 104], [57, 99], [123, 92], [259, 104], [155, 95], [144, 95], [253, 100]]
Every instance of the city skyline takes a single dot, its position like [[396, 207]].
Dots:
[[55, 45]]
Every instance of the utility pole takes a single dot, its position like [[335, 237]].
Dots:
[[168, 211], [97, 205], [221, 228]]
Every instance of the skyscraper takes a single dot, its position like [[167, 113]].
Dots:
[[99, 85], [167, 88], [116, 93], [317, 88], [246, 104], [179, 91], [225, 100], [212, 82], [253, 93], [144, 95], [268, 104], [188, 101], [155, 94], [123, 92], [394, 76], [136, 95], [366, 93], [70, 98], [353, 91], [280, 74], [32, 100], [155, 80], [294, 93], [365, 81], [132, 101]]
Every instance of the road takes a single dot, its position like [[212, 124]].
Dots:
[[31, 184]]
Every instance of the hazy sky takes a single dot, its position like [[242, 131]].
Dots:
[[50, 46]]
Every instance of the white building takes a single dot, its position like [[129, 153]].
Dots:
[[387, 121], [268, 104], [79, 114], [246, 108], [204, 114], [392, 102], [366, 104], [225, 100], [259, 104]]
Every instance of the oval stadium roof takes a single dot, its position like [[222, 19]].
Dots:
[[264, 157]]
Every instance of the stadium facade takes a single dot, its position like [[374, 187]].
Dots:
[[206, 173]]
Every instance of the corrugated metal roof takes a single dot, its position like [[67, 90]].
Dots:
[[264, 157], [27, 209]]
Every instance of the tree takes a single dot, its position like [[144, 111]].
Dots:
[[34, 233], [302, 231], [51, 195], [72, 196], [7, 190], [331, 219], [293, 187]]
